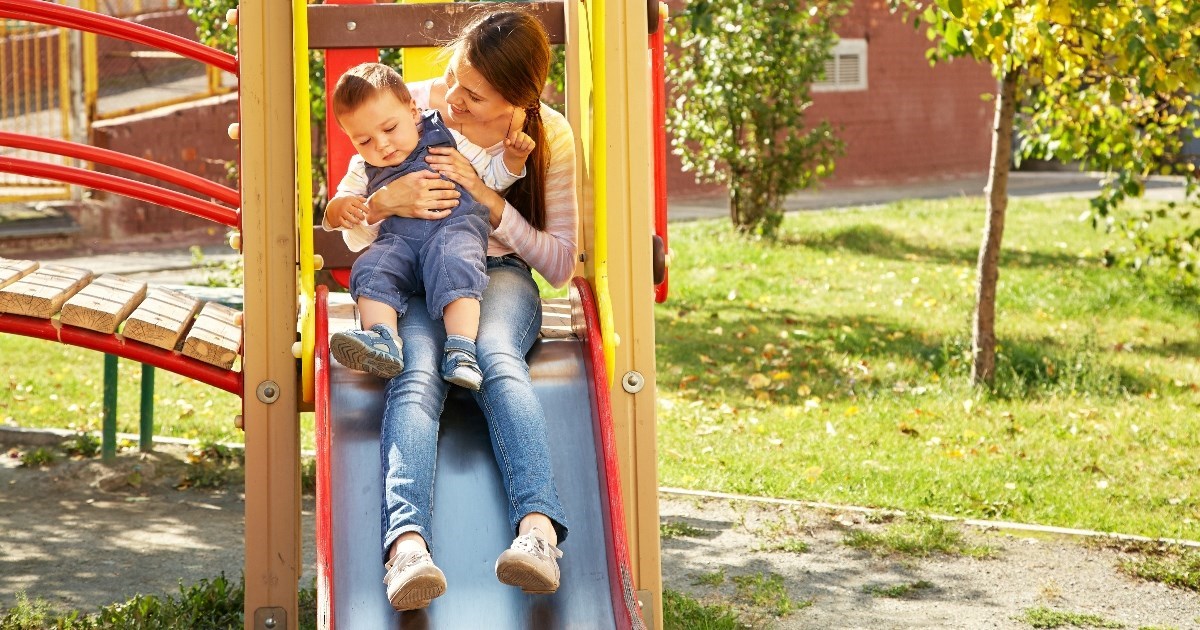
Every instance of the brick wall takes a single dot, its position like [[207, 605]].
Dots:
[[190, 137], [913, 123]]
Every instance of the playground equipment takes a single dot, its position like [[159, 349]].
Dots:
[[604, 453]]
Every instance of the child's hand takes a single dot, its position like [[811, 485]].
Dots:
[[518, 145], [353, 211]]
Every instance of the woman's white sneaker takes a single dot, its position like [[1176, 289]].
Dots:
[[531, 563], [413, 580]]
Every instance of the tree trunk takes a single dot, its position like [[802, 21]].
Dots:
[[983, 345]]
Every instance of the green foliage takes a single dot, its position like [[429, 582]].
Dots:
[[212, 29], [1175, 567], [740, 86], [83, 445], [767, 592], [681, 612], [918, 537], [1110, 85], [897, 591], [1043, 617], [676, 529], [40, 456], [215, 604]]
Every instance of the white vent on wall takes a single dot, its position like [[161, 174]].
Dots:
[[846, 68]]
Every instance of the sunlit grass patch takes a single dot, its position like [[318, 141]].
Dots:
[[1042, 617], [832, 365], [918, 537]]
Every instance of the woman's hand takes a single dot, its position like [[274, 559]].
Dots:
[[452, 165], [346, 212], [418, 195]]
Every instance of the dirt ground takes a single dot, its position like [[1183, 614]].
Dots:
[[79, 534]]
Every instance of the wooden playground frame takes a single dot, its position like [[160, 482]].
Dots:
[[609, 106]]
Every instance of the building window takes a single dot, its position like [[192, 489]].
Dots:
[[846, 68]]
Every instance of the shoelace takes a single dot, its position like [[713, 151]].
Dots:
[[413, 558], [537, 546]]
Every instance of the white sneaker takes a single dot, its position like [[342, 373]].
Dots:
[[413, 580], [530, 563]]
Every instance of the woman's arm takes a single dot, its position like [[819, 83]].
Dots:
[[418, 195]]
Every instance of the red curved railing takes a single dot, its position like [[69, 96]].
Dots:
[[123, 161], [58, 15], [621, 587], [227, 380], [120, 185]]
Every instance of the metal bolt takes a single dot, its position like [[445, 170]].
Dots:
[[350, 26], [633, 382], [269, 622], [268, 391], [428, 24]]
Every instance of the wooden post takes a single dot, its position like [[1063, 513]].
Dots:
[[623, 158], [269, 239]]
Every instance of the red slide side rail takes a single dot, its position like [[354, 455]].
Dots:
[[70, 17], [120, 185], [78, 151], [658, 126], [324, 514], [227, 380], [623, 597]]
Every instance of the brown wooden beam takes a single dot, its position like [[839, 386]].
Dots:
[[407, 25]]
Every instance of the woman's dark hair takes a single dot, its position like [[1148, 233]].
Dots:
[[512, 52]]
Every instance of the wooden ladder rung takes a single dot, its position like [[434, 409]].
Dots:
[[43, 292], [162, 318], [215, 337], [13, 270], [105, 303]]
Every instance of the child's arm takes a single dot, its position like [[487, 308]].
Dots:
[[348, 210], [517, 147], [494, 173]]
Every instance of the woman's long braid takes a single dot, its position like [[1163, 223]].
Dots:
[[511, 50]]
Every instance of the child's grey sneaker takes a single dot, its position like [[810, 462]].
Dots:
[[374, 351], [530, 563], [413, 580], [459, 365]]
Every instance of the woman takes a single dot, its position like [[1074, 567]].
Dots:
[[491, 89]]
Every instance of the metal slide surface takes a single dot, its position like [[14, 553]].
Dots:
[[470, 523]]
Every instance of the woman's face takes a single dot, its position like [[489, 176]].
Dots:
[[470, 98]]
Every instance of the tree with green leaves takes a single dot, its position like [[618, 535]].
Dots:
[[740, 83], [1107, 83]]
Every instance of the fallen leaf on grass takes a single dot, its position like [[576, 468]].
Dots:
[[758, 381]]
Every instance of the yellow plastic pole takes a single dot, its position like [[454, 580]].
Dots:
[[304, 200], [600, 182]]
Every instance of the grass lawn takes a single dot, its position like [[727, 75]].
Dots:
[[832, 366]]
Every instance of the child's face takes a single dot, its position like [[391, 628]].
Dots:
[[470, 98], [383, 130]]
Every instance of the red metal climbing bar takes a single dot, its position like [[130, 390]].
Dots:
[[70, 17], [123, 161], [227, 380], [120, 185]]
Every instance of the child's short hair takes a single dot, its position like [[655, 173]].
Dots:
[[365, 82]]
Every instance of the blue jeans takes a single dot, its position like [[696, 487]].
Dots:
[[510, 319]]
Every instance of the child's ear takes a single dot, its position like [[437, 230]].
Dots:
[[416, 113]]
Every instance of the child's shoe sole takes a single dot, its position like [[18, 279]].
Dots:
[[354, 354]]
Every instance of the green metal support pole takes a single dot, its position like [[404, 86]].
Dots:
[[146, 430], [108, 444]]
